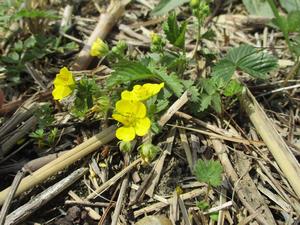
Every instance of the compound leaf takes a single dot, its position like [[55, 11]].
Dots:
[[209, 171]]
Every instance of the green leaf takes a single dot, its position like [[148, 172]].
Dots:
[[290, 5], [38, 134], [258, 7], [216, 102], [193, 91], [172, 81], [44, 115], [258, 64], [161, 105], [214, 216], [294, 21], [202, 205], [223, 71], [209, 35], [36, 13], [282, 23], [295, 43], [205, 101], [30, 42], [175, 33], [128, 71], [209, 171], [247, 59], [232, 88], [165, 6], [87, 89]]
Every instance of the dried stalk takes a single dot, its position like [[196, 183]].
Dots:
[[63, 161], [26, 210], [275, 143], [114, 179], [6, 205], [106, 22]]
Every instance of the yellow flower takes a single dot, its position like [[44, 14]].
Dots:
[[63, 84], [132, 114], [141, 93], [99, 48]]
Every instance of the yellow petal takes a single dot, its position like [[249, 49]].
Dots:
[[61, 92], [122, 119], [142, 126], [125, 133], [99, 48], [129, 95], [146, 91], [65, 77], [140, 110], [153, 89], [131, 108]]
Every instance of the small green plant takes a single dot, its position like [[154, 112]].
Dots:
[[210, 172], [43, 135]]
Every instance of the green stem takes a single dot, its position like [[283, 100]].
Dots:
[[198, 37], [207, 192]]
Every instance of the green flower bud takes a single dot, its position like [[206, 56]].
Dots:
[[125, 146], [120, 48], [148, 152], [194, 3], [155, 38]]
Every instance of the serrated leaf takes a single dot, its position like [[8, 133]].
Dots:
[[127, 71], [258, 7], [209, 171], [193, 91], [216, 102], [223, 71], [161, 105], [290, 5], [205, 101], [164, 6], [175, 33], [257, 64], [247, 59], [172, 81], [232, 88]]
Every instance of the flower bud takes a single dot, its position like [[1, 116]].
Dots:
[[99, 48], [148, 152], [120, 48], [125, 146], [155, 38], [194, 3]]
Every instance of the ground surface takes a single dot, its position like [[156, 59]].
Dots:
[[255, 187]]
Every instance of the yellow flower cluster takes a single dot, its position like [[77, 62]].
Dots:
[[132, 112], [64, 84]]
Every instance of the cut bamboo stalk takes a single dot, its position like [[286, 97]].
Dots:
[[275, 143], [105, 23], [20, 214], [62, 162]]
